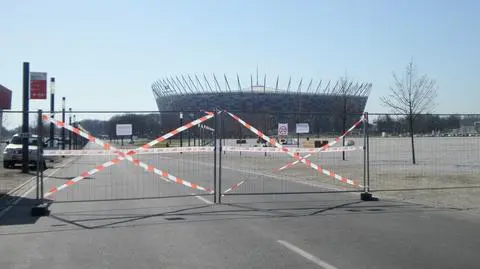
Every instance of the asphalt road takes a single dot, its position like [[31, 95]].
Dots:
[[105, 222]]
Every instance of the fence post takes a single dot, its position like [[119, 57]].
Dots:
[[214, 157], [368, 156], [366, 195], [43, 165], [365, 124], [37, 163], [40, 208], [222, 117]]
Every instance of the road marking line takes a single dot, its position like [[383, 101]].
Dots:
[[8, 208], [306, 255], [20, 186], [203, 199], [27, 182]]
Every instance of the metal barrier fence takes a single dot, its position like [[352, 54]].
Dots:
[[238, 153], [265, 159], [447, 157]]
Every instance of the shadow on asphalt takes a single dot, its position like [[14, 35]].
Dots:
[[130, 217], [68, 177], [228, 212], [17, 210]]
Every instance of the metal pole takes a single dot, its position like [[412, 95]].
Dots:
[[365, 124], [344, 124], [215, 192], [70, 133], [40, 151], [189, 136], [368, 154], [63, 120], [181, 133], [75, 137], [39, 142], [223, 130], [25, 132], [1, 125], [52, 110], [74, 124], [220, 160]]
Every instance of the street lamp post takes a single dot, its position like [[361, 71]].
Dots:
[[63, 120], [52, 110], [25, 131]]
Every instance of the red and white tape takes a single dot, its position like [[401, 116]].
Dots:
[[327, 148], [288, 165], [294, 150], [178, 130], [165, 175], [95, 152], [208, 128], [303, 160], [234, 187]]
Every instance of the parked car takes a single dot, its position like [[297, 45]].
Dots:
[[12, 154]]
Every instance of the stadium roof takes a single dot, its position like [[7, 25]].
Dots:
[[191, 85]]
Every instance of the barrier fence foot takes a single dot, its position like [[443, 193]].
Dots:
[[40, 210], [366, 196]]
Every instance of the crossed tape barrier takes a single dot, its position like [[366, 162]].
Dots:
[[293, 163], [94, 152], [206, 128], [295, 150], [165, 175], [234, 187], [328, 146], [303, 160]]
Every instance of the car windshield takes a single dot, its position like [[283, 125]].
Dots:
[[17, 140]]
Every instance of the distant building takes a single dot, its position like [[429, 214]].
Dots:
[[469, 125]]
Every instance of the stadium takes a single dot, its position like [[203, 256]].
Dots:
[[326, 105]]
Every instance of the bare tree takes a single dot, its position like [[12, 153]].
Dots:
[[411, 95], [343, 104]]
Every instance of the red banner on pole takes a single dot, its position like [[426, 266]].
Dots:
[[38, 85]]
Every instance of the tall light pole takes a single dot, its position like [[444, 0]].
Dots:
[[52, 110], [181, 134], [25, 131], [63, 120]]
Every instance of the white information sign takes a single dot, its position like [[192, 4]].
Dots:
[[124, 129], [303, 128]]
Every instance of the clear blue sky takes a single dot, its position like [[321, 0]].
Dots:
[[105, 54]]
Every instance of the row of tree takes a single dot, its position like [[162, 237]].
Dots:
[[422, 124]]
